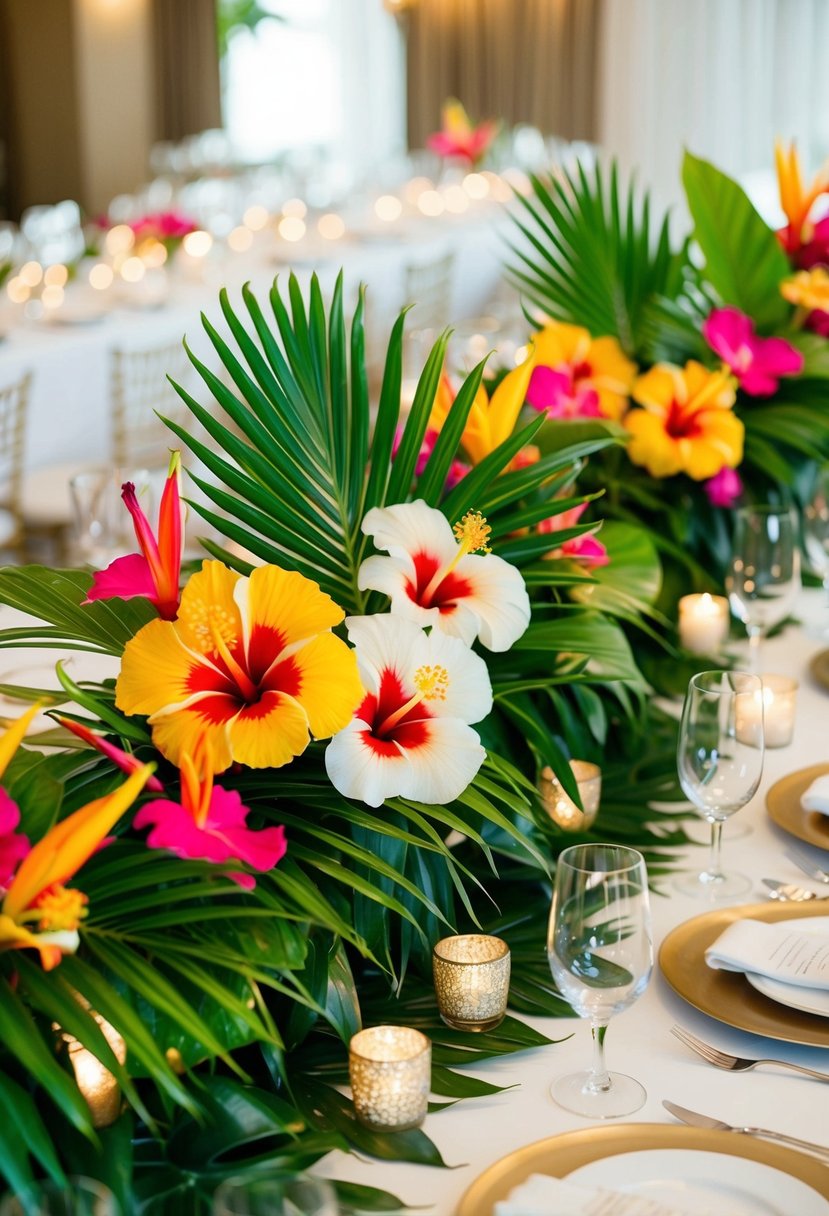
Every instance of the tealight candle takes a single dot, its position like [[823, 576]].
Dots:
[[560, 806], [703, 622], [390, 1068], [773, 709], [471, 974]]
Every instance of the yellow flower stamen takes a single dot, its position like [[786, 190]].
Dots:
[[431, 684], [196, 774], [472, 534], [57, 909], [245, 684]]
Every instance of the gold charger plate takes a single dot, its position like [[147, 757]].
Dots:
[[783, 806], [560, 1155], [819, 668], [727, 995]]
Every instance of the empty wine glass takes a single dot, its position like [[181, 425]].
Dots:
[[816, 528], [267, 1196], [80, 1197], [764, 575], [720, 763], [600, 951]]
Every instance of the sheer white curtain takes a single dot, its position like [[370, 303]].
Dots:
[[720, 77]]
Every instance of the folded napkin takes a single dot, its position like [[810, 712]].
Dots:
[[544, 1196], [816, 797], [780, 951]]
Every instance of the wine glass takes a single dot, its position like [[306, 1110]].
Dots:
[[266, 1196], [80, 1197], [720, 761], [601, 955], [816, 528], [764, 575]]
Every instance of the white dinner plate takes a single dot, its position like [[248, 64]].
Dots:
[[808, 1000], [704, 1184]]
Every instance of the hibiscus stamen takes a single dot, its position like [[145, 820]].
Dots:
[[472, 534], [431, 684], [244, 683], [197, 781], [57, 909]]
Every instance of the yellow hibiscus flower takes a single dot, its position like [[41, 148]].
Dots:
[[249, 666], [687, 424], [808, 289]]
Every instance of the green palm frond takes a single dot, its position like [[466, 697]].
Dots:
[[589, 254]]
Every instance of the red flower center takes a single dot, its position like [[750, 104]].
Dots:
[[448, 591], [679, 424], [409, 731]]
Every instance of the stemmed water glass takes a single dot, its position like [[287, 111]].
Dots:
[[600, 951], [816, 528], [764, 576], [720, 762], [267, 1196]]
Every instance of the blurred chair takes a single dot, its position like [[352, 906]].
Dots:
[[429, 288], [14, 399], [139, 387]]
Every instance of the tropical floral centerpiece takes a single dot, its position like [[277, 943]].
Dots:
[[461, 139], [314, 755], [707, 358]]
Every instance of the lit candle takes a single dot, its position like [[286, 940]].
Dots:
[[97, 1084], [560, 806], [390, 1068], [703, 622], [471, 975], [773, 710]]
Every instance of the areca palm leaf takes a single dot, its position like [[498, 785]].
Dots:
[[587, 253]]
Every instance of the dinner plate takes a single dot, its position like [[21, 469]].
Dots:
[[727, 995], [819, 668], [783, 805], [647, 1155]]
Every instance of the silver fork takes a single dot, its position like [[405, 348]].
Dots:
[[789, 891], [805, 863], [721, 1059]]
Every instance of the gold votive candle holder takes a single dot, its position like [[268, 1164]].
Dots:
[[390, 1068], [560, 806], [471, 975], [97, 1084]]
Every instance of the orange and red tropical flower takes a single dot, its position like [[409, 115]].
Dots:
[[435, 577], [209, 823], [805, 242], [687, 424], [577, 376], [153, 573], [410, 736], [38, 910], [250, 663]]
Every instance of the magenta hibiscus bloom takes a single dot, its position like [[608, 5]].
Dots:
[[758, 363], [559, 392], [13, 845], [584, 548], [209, 824], [725, 488]]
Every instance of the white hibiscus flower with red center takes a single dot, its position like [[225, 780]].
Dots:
[[435, 575], [410, 736]]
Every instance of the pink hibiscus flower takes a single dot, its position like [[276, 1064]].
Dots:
[[725, 488], [585, 548], [209, 824], [758, 363], [563, 392], [13, 845]]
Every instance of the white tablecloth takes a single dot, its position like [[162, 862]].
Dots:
[[477, 1132]]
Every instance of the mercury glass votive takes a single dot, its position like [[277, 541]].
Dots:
[[560, 806], [390, 1068], [471, 974]]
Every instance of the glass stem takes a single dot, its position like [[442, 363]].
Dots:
[[755, 636], [599, 1081], [714, 860]]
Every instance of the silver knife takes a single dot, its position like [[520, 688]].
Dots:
[[696, 1120]]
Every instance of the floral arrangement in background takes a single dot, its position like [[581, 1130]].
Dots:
[[461, 139], [257, 806], [713, 368]]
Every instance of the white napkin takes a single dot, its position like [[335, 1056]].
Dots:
[[541, 1195], [780, 951], [816, 797]]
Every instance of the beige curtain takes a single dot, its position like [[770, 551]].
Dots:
[[530, 61], [188, 95]]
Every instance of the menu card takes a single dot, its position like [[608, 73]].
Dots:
[[781, 951], [541, 1195]]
